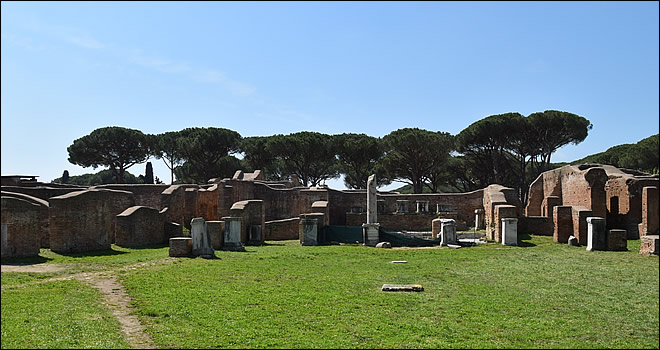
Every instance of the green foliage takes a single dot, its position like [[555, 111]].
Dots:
[[115, 147], [308, 155], [149, 174], [65, 177], [359, 157], [258, 156], [166, 147], [554, 129], [100, 178], [207, 154], [641, 156], [413, 155]]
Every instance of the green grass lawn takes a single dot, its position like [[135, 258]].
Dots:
[[282, 295]]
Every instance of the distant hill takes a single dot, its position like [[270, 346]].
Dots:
[[641, 156]]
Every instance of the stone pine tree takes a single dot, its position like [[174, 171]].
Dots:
[[359, 157], [115, 147], [413, 154], [149, 174]]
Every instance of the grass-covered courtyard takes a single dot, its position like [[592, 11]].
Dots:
[[540, 294]]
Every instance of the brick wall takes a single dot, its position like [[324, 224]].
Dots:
[[579, 217], [43, 215], [85, 220], [536, 225], [148, 195], [251, 212], [282, 229], [140, 226], [21, 232], [650, 212], [42, 192], [563, 223]]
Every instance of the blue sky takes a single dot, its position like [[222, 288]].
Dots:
[[264, 68]]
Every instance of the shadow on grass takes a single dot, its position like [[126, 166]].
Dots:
[[30, 260], [522, 243], [273, 244], [109, 252]]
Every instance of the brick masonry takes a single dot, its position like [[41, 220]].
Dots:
[[85, 220], [21, 228], [140, 226]]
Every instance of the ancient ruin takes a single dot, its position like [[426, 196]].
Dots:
[[248, 210]]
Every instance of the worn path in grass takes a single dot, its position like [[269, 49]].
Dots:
[[115, 297]]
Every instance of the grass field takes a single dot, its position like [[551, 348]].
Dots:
[[281, 295]]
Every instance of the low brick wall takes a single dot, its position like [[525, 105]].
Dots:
[[252, 213], [284, 229], [140, 226], [43, 215], [535, 225], [408, 222], [85, 220], [649, 245], [21, 228]]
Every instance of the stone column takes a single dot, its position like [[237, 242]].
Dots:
[[309, 234], [447, 231], [596, 237], [422, 206], [232, 237], [510, 231], [201, 241], [372, 207], [479, 223], [402, 206]]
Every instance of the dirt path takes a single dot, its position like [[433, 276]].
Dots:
[[115, 297]]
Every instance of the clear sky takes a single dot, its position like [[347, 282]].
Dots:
[[265, 68]]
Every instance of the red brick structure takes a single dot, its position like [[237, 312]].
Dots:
[[595, 190], [499, 202], [650, 212], [282, 229], [85, 220], [43, 215], [252, 216], [140, 226], [21, 227]]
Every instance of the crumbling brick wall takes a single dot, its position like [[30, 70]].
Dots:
[[207, 203], [499, 202], [43, 192], [148, 195], [252, 213], [282, 229], [21, 227], [43, 215], [178, 209], [85, 220], [650, 212], [140, 226]]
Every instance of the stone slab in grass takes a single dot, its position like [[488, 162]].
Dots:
[[402, 288], [399, 262]]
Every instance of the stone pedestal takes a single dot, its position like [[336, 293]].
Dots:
[[447, 231], [649, 245], [232, 238], [596, 237], [180, 247], [617, 240], [479, 222], [372, 207], [370, 234], [216, 232], [309, 233], [510, 231], [201, 241]]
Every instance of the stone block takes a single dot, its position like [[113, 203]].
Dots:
[[510, 231], [180, 247], [402, 288], [216, 232], [649, 245], [370, 234], [616, 240], [447, 232], [309, 234], [384, 245], [201, 240], [572, 240], [563, 223], [232, 238], [596, 235]]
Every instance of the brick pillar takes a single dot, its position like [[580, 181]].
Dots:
[[563, 222], [649, 225]]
